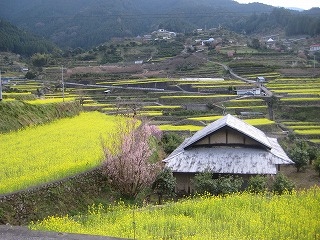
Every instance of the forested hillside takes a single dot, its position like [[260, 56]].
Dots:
[[307, 22], [81, 23], [21, 42]]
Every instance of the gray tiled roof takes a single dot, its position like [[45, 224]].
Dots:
[[228, 159], [224, 160]]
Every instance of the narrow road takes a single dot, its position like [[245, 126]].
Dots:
[[258, 85], [8, 232]]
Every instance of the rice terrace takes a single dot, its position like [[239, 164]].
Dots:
[[164, 126]]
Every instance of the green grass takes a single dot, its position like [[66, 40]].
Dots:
[[150, 113], [254, 122], [49, 152], [196, 96], [247, 100], [300, 123], [304, 127], [302, 91], [162, 107], [251, 107], [93, 104], [19, 114], [238, 216], [169, 127], [259, 121], [301, 99], [206, 118], [308, 132]]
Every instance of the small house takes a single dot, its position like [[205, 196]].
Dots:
[[260, 79], [226, 146], [315, 47], [252, 92], [208, 41]]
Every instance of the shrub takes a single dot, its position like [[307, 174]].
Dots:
[[257, 184], [282, 184], [204, 182], [164, 184], [227, 185], [171, 141], [316, 165]]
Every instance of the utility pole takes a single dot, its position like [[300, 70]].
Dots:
[[314, 60], [0, 87], [62, 83]]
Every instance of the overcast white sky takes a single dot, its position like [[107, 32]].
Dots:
[[304, 4]]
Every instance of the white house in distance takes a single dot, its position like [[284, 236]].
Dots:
[[164, 34], [253, 91], [315, 47], [226, 146], [204, 42]]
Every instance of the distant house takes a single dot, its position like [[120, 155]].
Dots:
[[315, 47], [204, 42], [226, 146], [164, 34], [260, 79], [271, 43], [254, 91], [147, 37]]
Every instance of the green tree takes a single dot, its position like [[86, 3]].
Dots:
[[299, 154], [316, 164], [313, 153], [255, 43], [170, 142], [164, 184], [39, 60], [30, 75]]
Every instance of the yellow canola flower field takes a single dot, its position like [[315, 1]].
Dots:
[[49, 152], [50, 100], [237, 216]]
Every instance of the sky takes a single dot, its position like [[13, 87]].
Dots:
[[304, 4]]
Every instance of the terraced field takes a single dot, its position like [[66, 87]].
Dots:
[[215, 95]]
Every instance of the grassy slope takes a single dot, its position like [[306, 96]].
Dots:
[[17, 114], [52, 151]]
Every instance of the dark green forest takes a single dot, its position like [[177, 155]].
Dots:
[[294, 23], [84, 24], [21, 42]]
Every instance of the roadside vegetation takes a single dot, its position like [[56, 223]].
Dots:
[[236, 216]]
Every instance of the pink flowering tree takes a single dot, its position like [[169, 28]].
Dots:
[[128, 152]]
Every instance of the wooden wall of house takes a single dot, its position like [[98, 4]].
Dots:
[[227, 136], [184, 183]]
